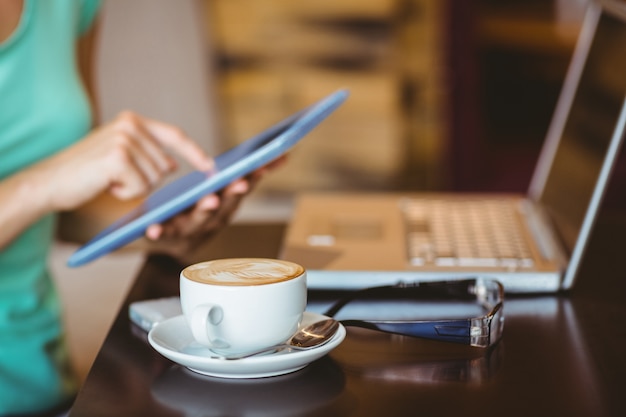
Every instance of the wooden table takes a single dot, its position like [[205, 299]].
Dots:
[[561, 355]]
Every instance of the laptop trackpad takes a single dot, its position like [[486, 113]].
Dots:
[[356, 228], [325, 231], [324, 234]]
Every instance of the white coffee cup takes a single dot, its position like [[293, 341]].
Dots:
[[243, 304]]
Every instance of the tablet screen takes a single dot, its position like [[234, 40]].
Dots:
[[233, 164]]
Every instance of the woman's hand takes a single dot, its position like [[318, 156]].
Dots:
[[126, 157], [210, 213]]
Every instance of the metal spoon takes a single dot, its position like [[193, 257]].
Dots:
[[308, 337]]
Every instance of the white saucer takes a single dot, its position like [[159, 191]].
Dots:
[[172, 339]]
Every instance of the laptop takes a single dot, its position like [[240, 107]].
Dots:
[[351, 241]]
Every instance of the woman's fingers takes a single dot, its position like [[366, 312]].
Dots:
[[141, 146], [185, 223], [154, 154], [175, 139], [207, 216]]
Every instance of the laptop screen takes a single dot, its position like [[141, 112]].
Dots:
[[588, 129]]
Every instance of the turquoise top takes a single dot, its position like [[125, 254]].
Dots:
[[43, 109]]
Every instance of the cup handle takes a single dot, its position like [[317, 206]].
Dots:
[[204, 320]]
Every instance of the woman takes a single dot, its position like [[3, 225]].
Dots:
[[51, 161]]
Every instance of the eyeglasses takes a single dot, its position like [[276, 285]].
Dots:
[[483, 331]]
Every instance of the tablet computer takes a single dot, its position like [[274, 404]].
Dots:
[[183, 193]]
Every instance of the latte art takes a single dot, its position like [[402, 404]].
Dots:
[[243, 271]]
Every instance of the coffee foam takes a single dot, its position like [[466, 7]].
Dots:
[[243, 271]]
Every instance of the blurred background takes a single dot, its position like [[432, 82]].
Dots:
[[450, 94], [453, 94]]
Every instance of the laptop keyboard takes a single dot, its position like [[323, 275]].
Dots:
[[466, 233]]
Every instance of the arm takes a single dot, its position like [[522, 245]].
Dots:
[[21, 205], [126, 158]]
